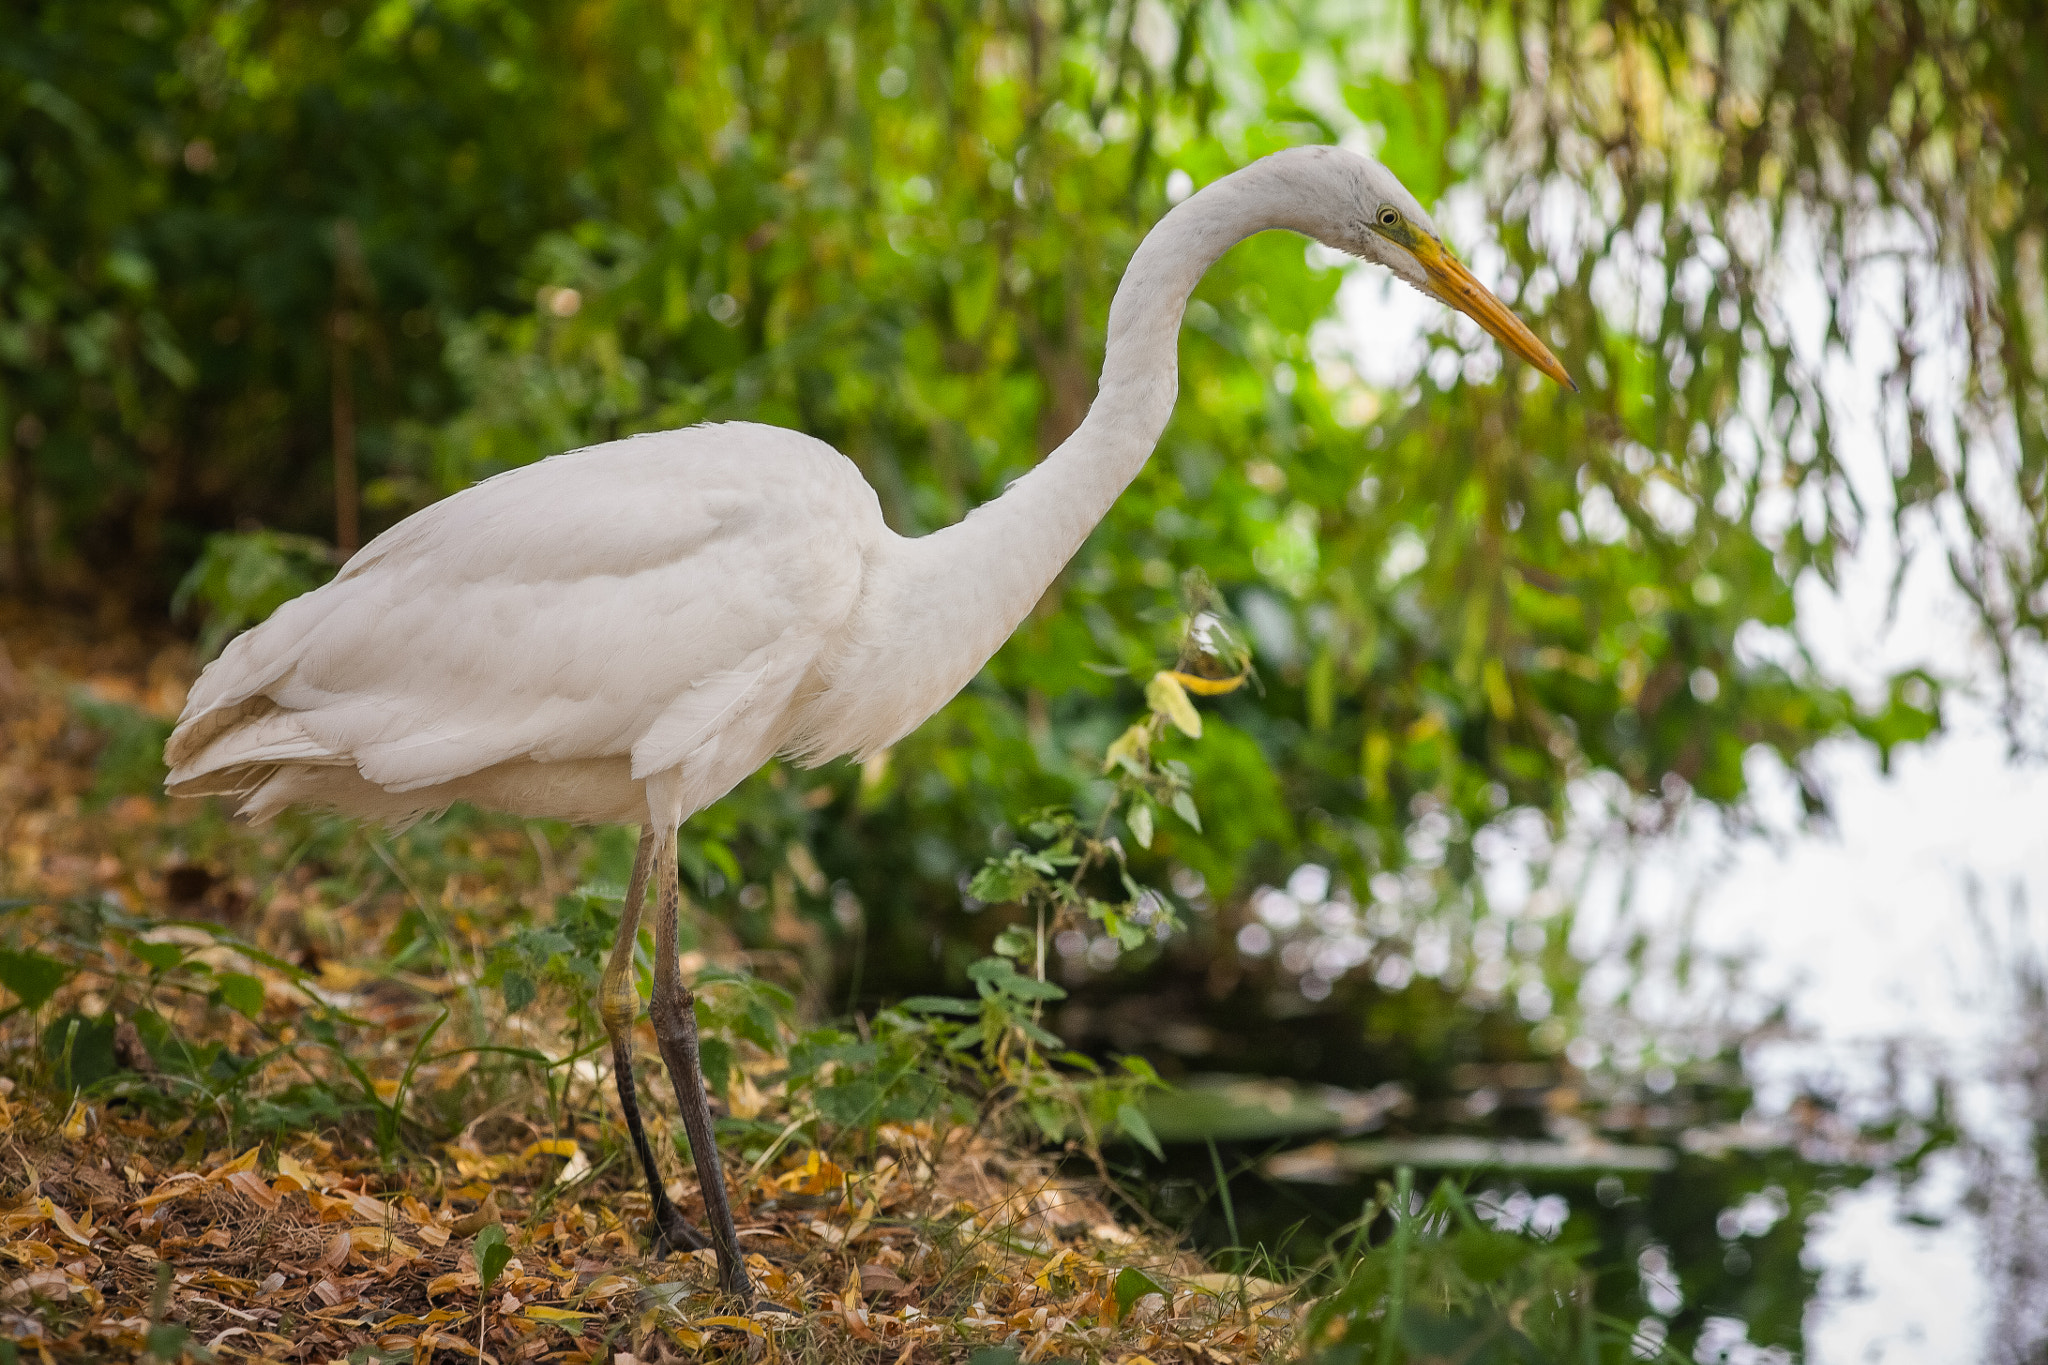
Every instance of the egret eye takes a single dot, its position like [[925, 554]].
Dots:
[[1390, 217]]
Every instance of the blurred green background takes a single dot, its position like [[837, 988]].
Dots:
[[274, 275]]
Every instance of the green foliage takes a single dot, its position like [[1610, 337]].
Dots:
[[1442, 1285], [492, 1254], [32, 978], [1077, 876], [147, 963], [243, 576], [1131, 1285], [131, 754], [568, 953]]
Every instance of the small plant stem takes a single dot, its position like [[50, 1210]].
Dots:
[[1223, 1193], [1397, 1277], [1038, 967], [1037, 970], [1589, 1323]]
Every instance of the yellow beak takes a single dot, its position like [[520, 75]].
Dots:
[[1455, 285]]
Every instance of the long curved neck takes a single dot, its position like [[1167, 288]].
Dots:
[[935, 609], [992, 567]]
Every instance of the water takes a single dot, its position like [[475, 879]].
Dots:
[[1895, 941], [1907, 940]]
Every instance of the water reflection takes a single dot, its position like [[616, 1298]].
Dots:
[[1352, 1033]]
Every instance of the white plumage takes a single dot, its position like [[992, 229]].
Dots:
[[544, 641], [626, 632]]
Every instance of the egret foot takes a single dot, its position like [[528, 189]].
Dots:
[[666, 1228], [668, 1231]]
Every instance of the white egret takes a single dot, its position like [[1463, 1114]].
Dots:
[[625, 632]]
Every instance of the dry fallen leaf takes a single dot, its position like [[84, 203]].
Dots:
[[485, 1214], [453, 1282], [78, 1122], [250, 1184], [879, 1279]]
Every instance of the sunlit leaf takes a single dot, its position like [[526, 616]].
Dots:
[[1133, 1121], [491, 1254], [32, 977], [1140, 817], [1131, 1285], [240, 992], [1165, 695], [159, 956]]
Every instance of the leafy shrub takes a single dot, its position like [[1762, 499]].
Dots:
[[1442, 1285], [244, 576]]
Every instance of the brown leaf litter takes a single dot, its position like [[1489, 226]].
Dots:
[[931, 1243]]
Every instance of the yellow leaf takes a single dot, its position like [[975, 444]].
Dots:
[[1208, 687], [442, 1341], [861, 1220], [540, 1313], [245, 1162], [1129, 747], [1045, 1272], [25, 1252], [604, 1286], [339, 976], [182, 1183], [27, 1216], [743, 1324], [213, 1279], [371, 1210], [291, 1168], [81, 1234], [1230, 1286], [450, 1283], [743, 1097], [472, 1164], [379, 1241], [77, 1121], [1165, 695], [549, 1147], [252, 1187], [331, 1210], [818, 1175]]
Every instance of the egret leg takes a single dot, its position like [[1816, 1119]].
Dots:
[[675, 1028], [618, 1004]]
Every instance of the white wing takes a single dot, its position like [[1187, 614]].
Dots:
[[661, 598]]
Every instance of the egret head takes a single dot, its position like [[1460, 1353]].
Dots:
[[1378, 220]]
